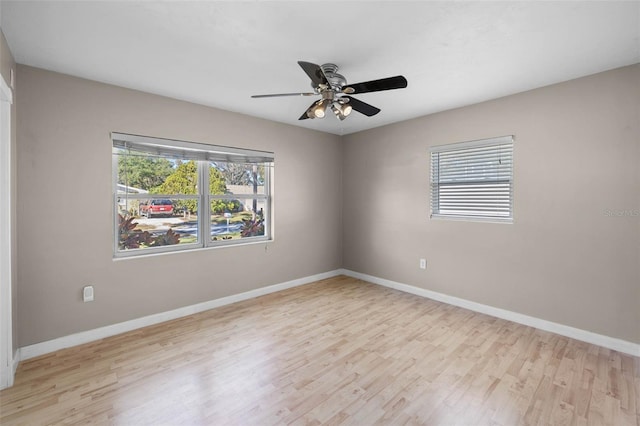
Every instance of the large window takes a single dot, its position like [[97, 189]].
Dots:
[[473, 180], [174, 195]]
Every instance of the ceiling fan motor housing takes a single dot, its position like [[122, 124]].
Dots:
[[337, 81]]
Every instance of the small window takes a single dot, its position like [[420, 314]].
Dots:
[[175, 195], [473, 180]]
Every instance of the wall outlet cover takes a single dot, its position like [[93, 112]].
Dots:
[[87, 293]]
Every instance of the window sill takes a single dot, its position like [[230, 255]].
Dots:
[[506, 220], [139, 255]]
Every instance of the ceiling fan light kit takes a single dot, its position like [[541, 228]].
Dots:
[[333, 88], [318, 109], [341, 110]]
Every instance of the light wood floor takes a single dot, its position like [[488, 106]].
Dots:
[[339, 351]]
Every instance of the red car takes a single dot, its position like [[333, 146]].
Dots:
[[156, 208]]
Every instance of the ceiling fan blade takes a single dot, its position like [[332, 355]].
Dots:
[[397, 82], [362, 107], [304, 116], [314, 72], [274, 95]]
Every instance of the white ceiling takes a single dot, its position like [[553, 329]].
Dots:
[[220, 53]]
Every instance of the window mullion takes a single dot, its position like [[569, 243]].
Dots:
[[204, 215]]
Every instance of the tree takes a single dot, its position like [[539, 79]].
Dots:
[[143, 172], [244, 174], [234, 173], [184, 181], [241, 173], [217, 182]]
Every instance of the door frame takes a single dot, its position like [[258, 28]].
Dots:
[[6, 238]]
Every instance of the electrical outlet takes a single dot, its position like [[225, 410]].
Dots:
[[87, 293], [423, 263]]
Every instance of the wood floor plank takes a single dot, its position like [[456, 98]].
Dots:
[[337, 352]]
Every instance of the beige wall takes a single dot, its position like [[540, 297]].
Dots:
[[564, 259], [64, 151], [6, 65]]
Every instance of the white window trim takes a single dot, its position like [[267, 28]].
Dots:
[[501, 140], [202, 154]]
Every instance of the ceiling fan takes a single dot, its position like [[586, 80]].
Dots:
[[335, 91]]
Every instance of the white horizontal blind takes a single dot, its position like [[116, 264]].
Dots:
[[146, 145], [473, 180]]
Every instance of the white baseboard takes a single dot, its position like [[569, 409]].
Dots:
[[42, 348], [563, 330], [49, 346]]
